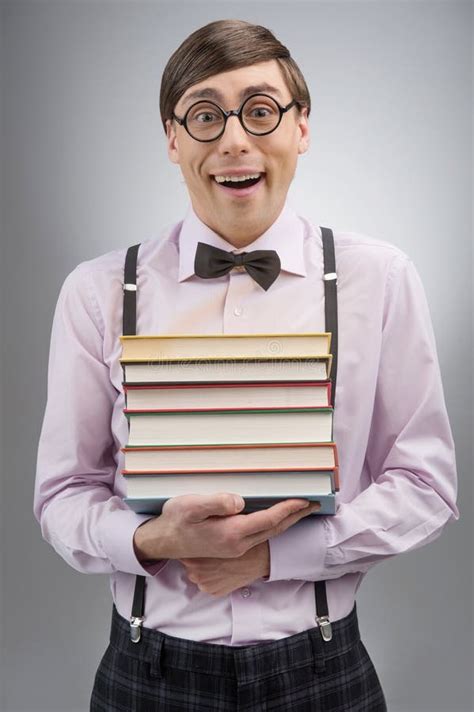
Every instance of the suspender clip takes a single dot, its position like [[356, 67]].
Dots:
[[329, 276], [129, 287], [325, 627], [135, 626]]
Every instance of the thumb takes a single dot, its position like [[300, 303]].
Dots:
[[221, 504]]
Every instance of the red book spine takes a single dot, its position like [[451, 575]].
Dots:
[[236, 384], [224, 447], [220, 470], [218, 410]]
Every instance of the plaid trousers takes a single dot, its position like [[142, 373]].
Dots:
[[301, 673]]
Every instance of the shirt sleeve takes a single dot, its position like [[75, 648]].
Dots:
[[74, 502], [410, 457]]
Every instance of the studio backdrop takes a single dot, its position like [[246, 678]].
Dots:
[[85, 171]]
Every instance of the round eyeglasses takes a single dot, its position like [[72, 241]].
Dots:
[[259, 115]]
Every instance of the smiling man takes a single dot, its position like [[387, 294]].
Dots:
[[215, 151], [229, 620]]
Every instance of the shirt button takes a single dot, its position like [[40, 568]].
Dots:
[[246, 592], [238, 311], [239, 268]]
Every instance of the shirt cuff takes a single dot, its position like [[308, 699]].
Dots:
[[154, 566], [116, 537], [300, 551]]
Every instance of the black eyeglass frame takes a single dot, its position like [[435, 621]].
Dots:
[[233, 112]]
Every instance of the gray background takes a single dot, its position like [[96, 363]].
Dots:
[[86, 171]]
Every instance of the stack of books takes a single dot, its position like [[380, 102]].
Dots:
[[243, 413]]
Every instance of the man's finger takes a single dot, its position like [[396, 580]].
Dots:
[[269, 518], [200, 507]]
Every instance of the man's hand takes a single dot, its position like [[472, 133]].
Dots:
[[197, 526], [219, 577]]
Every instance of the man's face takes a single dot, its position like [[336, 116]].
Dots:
[[240, 217]]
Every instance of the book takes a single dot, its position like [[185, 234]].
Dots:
[[206, 427], [227, 395], [224, 370], [239, 412], [263, 484], [176, 347], [154, 505], [240, 456]]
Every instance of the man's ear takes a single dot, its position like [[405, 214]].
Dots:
[[172, 141], [303, 127]]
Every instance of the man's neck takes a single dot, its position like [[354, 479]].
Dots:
[[234, 234]]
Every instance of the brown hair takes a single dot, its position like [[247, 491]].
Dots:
[[219, 47]]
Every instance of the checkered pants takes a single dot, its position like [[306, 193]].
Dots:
[[301, 673]]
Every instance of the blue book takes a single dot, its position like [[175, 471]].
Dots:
[[154, 505]]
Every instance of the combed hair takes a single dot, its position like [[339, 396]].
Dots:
[[221, 46]]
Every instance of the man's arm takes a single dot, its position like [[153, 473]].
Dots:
[[410, 456], [89, 526], [73, 500]]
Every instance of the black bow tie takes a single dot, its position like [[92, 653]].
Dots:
[[262, 265]]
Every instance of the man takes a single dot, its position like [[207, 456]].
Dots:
[[229, 621]]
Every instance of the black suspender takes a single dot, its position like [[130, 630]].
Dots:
[[330, 301], [129, 328], [330, 311], [330, 315]]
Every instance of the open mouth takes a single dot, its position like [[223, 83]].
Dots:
[[239, 184]]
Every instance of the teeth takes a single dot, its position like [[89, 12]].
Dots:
[[235, 179]]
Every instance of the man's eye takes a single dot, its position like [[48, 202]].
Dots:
[[262, 109], [208, 118]]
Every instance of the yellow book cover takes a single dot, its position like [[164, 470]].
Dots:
[[174, 347]]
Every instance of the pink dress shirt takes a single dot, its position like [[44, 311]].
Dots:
[[396, 451]]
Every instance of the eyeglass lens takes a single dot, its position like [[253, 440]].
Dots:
[[260, 114]]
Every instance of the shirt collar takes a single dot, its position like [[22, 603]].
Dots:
[[285, 235]]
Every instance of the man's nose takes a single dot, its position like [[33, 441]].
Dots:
[[235, 136]]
